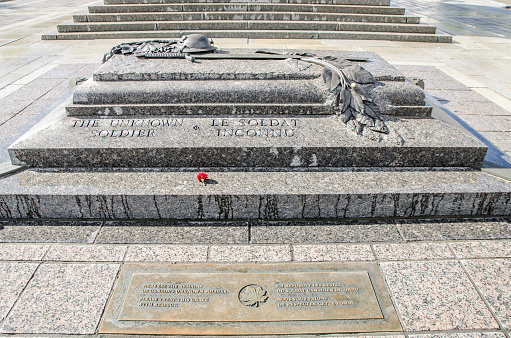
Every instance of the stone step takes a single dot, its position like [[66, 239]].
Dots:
[[198, 16], [61, 141], [35, 194], [95, 111], [247, 7], [247, 25], [253, 34], [325, 2]]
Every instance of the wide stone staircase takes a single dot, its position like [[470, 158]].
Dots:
[[277, 19]]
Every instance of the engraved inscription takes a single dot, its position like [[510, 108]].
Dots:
[[126, 128], [267, 128], [316, 295], [195, 293], [251, 297]]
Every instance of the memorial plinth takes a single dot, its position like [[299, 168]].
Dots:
[[271, 134]]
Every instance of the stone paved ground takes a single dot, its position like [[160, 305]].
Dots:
[[446, 278]]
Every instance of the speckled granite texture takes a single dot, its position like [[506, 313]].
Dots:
[[454, 305], [492, 278], [14, 277], [62, 298], [287, 142], [253, 195]]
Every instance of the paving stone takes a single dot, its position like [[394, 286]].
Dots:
[[34, 89], [444, 229], [479, 123], [502, 123], [323, 232], [86, 253], [167, 253], [397, 252], [477, 108], [434, 296], [175, 233], [48, 231], [461, 335], [13, 278], [333, 252], [502, 140], [22, 252], [492, 279], [434, 84], [458, 95], [252, 253], [63, 298], [481, 249], [63, 71]]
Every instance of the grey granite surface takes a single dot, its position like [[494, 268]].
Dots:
[[256, 195], [420, 230], [22, 252], [176, 232], [482, 249], [130, 68], [241, 142], [49, 231], [62, 298], [323, 232], [436, 296], [14, 277], [332, 252], [86, 253], [412, 251], [250, 253], [492, 279], [167, 253]]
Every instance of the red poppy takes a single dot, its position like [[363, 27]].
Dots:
[[202, 177]]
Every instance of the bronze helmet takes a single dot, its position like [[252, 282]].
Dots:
[[195, 43]]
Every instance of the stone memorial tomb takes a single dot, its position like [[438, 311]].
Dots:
[[325, 134]]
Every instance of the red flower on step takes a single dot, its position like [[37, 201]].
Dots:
[[202, 177]]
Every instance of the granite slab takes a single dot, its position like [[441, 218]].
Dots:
[[130, 68], [435, 296], [22, 252], [62, 141], [492, 279], [253, 195], [302, 91], [15, 277], [174, 232], [323, 232], [454, 229], [62, 298], [24, 231]]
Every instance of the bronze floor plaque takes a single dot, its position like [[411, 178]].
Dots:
[[220, 299]]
